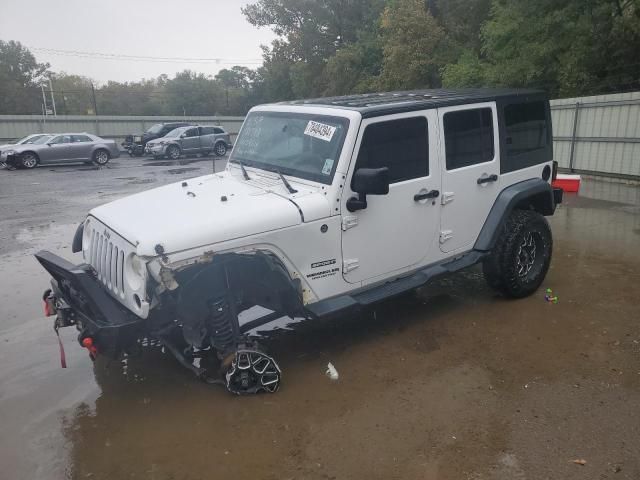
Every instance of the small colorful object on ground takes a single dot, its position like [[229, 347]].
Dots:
[[550, 297]]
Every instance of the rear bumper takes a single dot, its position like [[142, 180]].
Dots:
[[82, 301]]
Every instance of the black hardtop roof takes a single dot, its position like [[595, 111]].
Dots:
[[385, 103]]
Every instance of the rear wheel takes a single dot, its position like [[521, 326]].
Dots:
[[29, 160], [101, 157], [173, 152], [520, 259], [220, 149]]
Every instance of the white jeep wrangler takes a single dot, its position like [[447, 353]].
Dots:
[[326, 206]]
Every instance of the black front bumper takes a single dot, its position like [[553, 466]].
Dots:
[[84, 303]]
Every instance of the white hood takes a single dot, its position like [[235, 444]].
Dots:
[[208, 210]]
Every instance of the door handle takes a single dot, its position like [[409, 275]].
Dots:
[[490, 178], [424, 196]]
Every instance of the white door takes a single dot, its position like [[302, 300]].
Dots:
[[396, 230], [470, 153]]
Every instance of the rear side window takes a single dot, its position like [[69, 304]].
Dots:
[[61, 139], [207, 131], [218, 130], [526, 125], [468, 137], [81, 138], [400, 145]]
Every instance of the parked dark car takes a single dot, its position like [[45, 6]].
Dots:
[[134, 144], [189, 140], [66, 147]]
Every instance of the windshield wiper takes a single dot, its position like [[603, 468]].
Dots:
[[286, 183], [244, 170]]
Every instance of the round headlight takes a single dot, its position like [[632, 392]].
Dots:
[[86, 235], [134, 271]]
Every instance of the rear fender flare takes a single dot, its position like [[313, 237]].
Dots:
[[533, 194]]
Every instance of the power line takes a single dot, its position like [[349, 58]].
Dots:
[[144, 58]]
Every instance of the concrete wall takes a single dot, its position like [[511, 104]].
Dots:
[[599, 134], [116, 127]]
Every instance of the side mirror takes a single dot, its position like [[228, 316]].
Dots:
[[368, 181], [183, 135], [49, 144]]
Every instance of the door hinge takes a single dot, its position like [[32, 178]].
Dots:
[[445, 235], [349, 222], [350, 264], [446, 197]]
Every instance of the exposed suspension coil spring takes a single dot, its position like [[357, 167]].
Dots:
[[222, 334]]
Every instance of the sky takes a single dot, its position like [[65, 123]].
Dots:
[[193, 29]]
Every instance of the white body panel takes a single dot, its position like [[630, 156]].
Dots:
[[394, 232], [467, 203]]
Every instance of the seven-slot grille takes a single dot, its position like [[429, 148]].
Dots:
[[106, 253]]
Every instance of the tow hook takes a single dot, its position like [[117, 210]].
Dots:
[[49, 301]]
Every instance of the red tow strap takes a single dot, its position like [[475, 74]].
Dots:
[[63, 358]]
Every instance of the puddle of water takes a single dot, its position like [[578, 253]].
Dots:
[[141, 181], [178, 171], [169, 163]]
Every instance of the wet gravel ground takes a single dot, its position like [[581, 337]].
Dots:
[[451, 383]]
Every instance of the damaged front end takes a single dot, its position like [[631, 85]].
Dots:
[[194, 308]]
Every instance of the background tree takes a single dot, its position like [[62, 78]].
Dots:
[[413, 41], [336, 47], [20, 78]]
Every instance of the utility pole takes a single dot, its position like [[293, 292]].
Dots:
[[53, 100], [44, 99], [93, 96]]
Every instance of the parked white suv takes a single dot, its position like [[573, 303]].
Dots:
[[326, 206]]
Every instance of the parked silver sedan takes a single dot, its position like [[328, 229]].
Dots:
[[24, 140], [66, 147]]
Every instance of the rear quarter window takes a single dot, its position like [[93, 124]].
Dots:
[[527, 135]]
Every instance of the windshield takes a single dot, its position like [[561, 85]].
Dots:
[[301, 145], [41, 140], [175, 132], [23, 140], [155, 129]]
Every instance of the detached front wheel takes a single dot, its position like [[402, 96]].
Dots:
[[520, 259]]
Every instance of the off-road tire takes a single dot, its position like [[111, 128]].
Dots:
[[220, 149], [173, 152], [520, 259], [101, 157], [29, 160]]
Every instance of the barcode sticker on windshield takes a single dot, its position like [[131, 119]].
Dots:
[[320, 130]]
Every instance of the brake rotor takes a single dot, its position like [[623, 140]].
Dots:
[[251, 372]]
